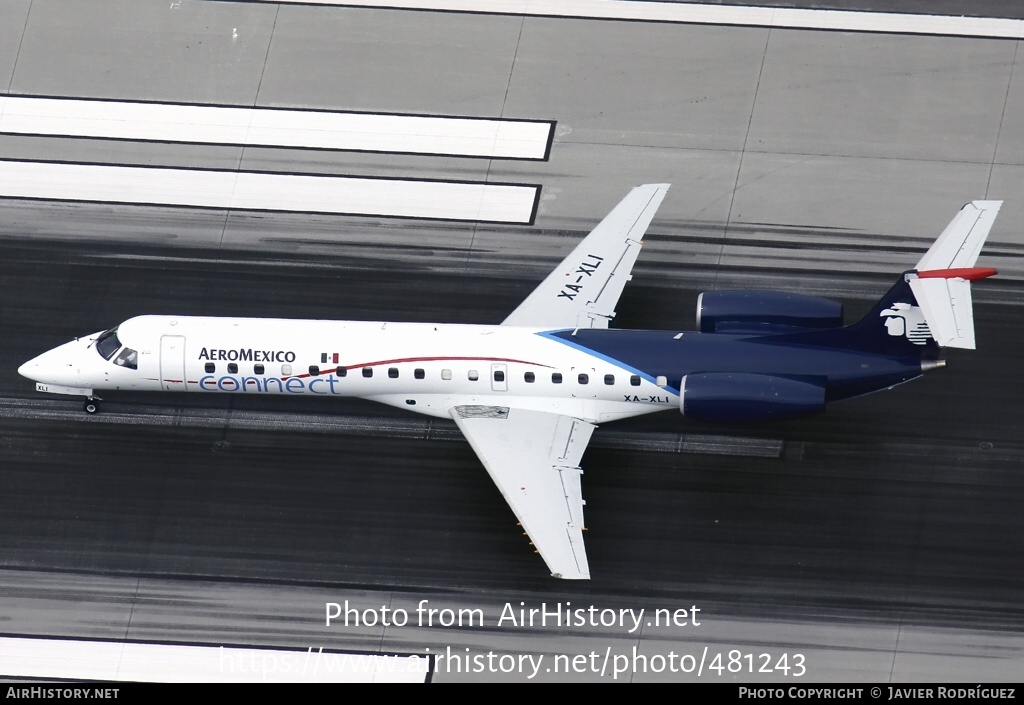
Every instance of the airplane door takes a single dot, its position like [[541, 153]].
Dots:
[[499, 377], [172, 363]]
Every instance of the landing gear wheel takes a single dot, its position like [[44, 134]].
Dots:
[[91, 405]]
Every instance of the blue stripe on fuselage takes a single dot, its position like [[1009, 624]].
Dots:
[[557, 335]]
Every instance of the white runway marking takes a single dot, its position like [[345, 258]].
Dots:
[[781, 17], [301, 193], [368, 132], [113, 661]]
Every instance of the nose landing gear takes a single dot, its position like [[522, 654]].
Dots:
[[92, 405]]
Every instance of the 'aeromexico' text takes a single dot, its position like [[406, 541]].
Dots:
[[247, 355]]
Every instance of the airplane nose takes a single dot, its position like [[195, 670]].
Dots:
[[29, 369], [55, 366]]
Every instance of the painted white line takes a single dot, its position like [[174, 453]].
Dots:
[[369, 132], [245, 190], [781, 17], [70, 659]]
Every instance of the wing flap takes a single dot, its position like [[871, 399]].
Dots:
[[584, 289], [533, 457]]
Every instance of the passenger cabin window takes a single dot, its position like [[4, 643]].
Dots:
[[635, 380], [232, 368], [108, 344], [556, 378], [419, 373], [210, 368], [341, 371], [529, 377], [583, 379], [367, 372], [258, 369], [609, 379], [393, 372], [314, 371], [473, 375], [127, 358], [499, 376], [446, 374], [286, 370]]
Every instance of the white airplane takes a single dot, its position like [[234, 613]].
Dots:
[[528, 393]]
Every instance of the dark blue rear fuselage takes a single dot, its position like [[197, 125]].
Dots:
[[843, 372]]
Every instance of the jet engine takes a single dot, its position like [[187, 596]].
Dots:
[[724, 397], [764, 312]]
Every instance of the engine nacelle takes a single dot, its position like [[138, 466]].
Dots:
[[767, 312], [725, 397]]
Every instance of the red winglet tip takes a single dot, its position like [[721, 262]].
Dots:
[[968, 273]]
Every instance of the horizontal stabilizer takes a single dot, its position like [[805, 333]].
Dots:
[[942, 283], [960, 243]]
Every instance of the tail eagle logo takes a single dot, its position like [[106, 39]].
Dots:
[[908, 320]]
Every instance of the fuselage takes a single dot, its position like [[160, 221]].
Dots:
[[595, 375]]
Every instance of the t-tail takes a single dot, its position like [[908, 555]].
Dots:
[[929, 307]]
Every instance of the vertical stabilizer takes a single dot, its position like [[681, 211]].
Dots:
[[928, 307]]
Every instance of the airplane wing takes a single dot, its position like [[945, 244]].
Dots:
[[943, 283], [533, 457], [584, 289]]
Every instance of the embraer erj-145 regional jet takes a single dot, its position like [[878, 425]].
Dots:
[[528, 393]]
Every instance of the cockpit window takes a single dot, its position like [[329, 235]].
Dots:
[[108, 344], [128, 358]]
